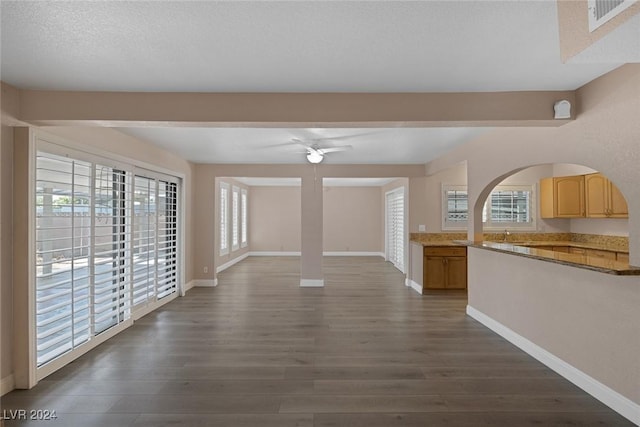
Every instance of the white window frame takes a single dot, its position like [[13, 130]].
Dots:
[[223, 225], [244, 206], [235, 218], [488, 225]]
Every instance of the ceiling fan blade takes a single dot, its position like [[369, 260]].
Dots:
[[300, 142], [334, 149], [341, 137]]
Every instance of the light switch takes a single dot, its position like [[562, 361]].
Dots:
[[422, 228]]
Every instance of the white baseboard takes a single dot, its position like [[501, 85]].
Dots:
[[606, 395], [311, 283], [274, 253], [232, 262], [413, 285], [352, 253], [7, 384], [204, 283]]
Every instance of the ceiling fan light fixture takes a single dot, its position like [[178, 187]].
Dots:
[[314, 157]]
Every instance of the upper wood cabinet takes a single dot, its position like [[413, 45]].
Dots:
[[562, 197], [603, 199]]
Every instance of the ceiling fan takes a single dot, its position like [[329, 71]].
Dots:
[[315, 152]]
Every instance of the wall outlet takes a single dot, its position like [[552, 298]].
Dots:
[[206, 269], [422, 228]]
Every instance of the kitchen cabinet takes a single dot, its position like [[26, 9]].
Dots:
[[603, 199], [562, 197], [445, 267]]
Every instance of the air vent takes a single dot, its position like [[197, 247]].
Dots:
[[601, 11]]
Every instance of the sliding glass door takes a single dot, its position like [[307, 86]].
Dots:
[[106, 248]]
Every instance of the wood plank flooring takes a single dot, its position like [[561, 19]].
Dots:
[[260, 351]]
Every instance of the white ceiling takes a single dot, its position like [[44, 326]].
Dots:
[[291, 46]]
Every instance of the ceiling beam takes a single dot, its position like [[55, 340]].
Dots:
[[292, 109]]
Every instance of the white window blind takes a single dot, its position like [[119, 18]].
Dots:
[[112, 237], [243, 222], [395, 228], [224, 218], [144, 240], [167, 260], [235, 217]]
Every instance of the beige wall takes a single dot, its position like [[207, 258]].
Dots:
[[274, 219], [588, 319], [6, 252], [604, 137], [353, 220]]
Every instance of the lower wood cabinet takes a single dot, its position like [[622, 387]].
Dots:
[[445, 267]]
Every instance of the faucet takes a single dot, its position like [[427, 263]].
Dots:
[[505, 234]]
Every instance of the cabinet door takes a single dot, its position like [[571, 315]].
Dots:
[[546, 198], [596, 195], [569, 196], [456, 272], [434, 272], [618, 204]]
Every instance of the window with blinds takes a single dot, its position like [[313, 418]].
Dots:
[[507, 207], [395, 240], [224, 218], [243, 202], [235, 217], [106, 243]]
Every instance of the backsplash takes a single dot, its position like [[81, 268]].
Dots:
[[620, 243]]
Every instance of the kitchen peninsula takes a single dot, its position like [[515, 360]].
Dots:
[[437, 258]]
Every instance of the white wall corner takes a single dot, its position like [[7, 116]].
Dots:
[[311, 283], [622, 405], [188, 286], [415, 286], [7, 384]]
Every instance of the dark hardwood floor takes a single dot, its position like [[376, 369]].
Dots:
[[260, 351]]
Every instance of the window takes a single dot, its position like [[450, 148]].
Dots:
[[508, 206], [243, 222], [395, 228], [235, 226], [224, 218], [106, 241]]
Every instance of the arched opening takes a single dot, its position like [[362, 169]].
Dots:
[[555, 203]]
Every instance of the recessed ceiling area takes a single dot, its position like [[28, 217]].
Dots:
[[275, 145]]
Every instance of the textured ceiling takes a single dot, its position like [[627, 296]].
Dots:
[[311, 46], [291, 46]]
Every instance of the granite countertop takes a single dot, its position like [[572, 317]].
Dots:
[[575, 260]]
